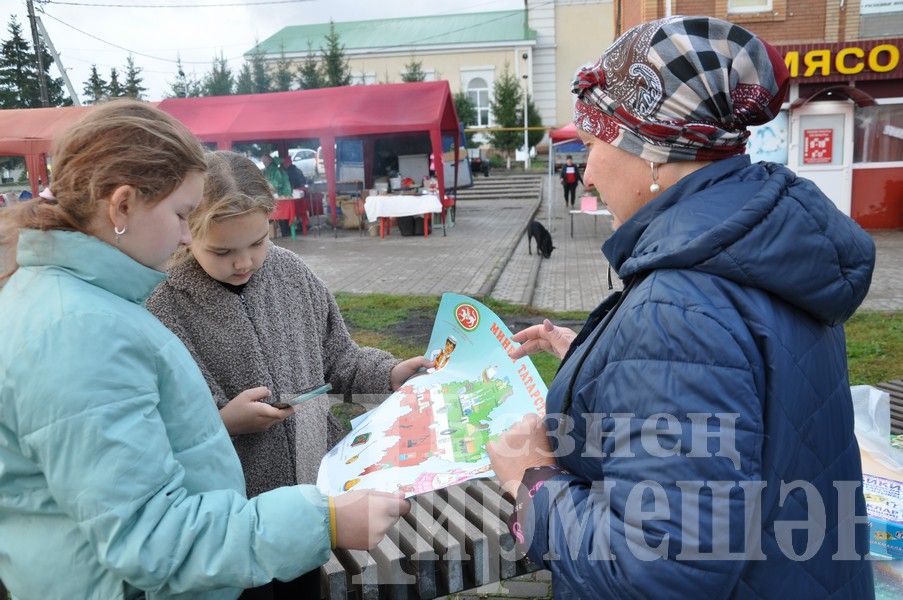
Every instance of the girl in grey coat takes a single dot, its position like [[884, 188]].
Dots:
[[263, 327]]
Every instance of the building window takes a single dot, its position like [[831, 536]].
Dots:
[[478, 92], [878, 134], [361, 78], [749, 6]]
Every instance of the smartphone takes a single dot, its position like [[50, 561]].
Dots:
[[307, 394]]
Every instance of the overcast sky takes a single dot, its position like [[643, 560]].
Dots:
[[155, 35]]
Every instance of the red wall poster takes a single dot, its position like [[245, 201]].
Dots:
[[817, 146]]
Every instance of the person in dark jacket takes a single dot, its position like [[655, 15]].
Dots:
[[701, 421], [570, 177], [295, 177]]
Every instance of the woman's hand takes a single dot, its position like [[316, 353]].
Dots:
[[245, 413], [542, 338], [524, 446], [362, 518], [407, 369]]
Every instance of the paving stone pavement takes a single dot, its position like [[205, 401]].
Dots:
[[486, 253], [886, 291], [468, 260]]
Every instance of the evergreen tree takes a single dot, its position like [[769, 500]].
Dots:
[[336, 70], [133, 79], [533, 120], [95, 88], [185, 86], [114, 88], [506, 108], [19, 86], [309, 75], [283, 75], [16, 70], [260, 77], [413, 71], [467, 112], [219, 81], [245, 82]]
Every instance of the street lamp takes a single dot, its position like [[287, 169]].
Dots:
[[525, 56]]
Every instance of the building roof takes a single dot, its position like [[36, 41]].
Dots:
[[404, 33]]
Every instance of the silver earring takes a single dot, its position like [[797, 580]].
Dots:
[[119, 233], [655, 187]]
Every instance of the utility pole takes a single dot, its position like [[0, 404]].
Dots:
[[58, 61], [42, 76]]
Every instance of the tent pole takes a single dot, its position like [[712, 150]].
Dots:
[[329, 158], [436, 142], [551, 176]]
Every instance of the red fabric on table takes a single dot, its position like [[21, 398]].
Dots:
[[291, 210]]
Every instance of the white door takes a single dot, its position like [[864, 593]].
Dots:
[[821, 148]]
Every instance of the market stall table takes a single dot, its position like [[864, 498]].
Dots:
[[291, 210], [594, 213], [391, 206]]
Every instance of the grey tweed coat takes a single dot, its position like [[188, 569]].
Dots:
[[284, 331]]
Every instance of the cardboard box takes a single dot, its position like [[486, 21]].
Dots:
[[883, 490]]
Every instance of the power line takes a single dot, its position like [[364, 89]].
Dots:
[[135, 52], [179, 5]]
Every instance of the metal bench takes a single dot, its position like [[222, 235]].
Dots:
[[895, 389], [452, 540]]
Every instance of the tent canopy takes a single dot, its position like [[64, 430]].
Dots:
[[29, 132], [328, 113], [324, 113], [23, 130], [564, 134]]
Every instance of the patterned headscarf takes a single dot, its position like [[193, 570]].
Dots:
[[681, 88]]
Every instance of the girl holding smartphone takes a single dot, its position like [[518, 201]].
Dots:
[[117, 476]]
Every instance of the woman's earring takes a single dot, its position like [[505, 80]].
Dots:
[[119, 233], [655, 187]]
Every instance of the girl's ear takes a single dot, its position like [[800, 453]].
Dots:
[[122, 202]]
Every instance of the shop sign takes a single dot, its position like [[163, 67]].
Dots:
[[818, 146], [833, 62], [877, 7]]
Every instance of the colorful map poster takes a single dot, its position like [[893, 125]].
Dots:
[[432, 433]]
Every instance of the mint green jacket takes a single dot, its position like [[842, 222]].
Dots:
[[116, 472]]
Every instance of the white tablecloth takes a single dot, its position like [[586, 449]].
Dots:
[[401, 206]]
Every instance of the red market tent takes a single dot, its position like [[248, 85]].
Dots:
[[564, 134], [363, 112], [29, 132]]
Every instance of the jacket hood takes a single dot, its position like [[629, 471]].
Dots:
[[758, 225]]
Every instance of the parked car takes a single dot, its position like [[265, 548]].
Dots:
[[306, 160]]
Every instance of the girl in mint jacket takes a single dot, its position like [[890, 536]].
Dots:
[[117, 477]]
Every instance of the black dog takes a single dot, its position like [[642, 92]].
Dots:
[[543, 239]]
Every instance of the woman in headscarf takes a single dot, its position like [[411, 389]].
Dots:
[[703, 427]]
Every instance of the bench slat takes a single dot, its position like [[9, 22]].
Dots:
[[450, 577]]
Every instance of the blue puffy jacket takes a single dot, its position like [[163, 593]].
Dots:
[[117, 475], [738, 279]]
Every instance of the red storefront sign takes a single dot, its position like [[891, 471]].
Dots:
[[818, 146]]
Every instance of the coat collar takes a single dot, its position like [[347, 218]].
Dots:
[[89, 259], [619, 247], [189, 277]]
